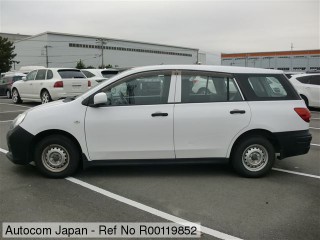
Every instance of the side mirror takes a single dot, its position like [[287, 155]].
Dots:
[[100, 99], [24, 78]]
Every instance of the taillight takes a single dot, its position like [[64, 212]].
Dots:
[[89, 83], [58, 84], [304, 113]]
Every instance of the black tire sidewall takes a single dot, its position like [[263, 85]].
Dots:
[[68, 144], [236, 159]]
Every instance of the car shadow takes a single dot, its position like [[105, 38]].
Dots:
[[159, 170]]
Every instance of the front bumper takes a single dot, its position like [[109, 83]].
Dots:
[[19, 142], [293, 143]]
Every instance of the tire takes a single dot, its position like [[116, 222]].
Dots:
[[305, 99], [253, 157], [45, 97], [57, 156], [8, 94], [16, 96]]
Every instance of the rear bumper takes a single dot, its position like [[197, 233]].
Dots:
[[19, 142], [293, 143]]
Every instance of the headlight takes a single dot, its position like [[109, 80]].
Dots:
[[18, 120]]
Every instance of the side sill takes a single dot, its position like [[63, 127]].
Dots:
[[132, 162]]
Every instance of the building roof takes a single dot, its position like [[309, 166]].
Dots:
[[106, 38], [270, 54]]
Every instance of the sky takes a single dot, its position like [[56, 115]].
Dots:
[[216, 26]]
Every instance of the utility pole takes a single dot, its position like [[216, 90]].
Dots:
[[47, 57], [291, 64], [102, 42]]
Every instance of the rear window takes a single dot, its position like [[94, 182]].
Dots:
[[109, 74], [17, 78], [88, 74], [69, 73], [263, 87]]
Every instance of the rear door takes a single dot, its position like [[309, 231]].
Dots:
[[205, 122], [74, 81]]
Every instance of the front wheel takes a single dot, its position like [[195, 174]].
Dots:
[[57, 156], [253, 157], [16, 97]]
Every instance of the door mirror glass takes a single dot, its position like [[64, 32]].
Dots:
[[100, 99]]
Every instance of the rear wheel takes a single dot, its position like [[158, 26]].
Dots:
[[253, 157], [16, 97], [45, 97], [57, 156]]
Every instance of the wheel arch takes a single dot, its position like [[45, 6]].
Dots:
[[256, 132], [38, 137], [42, 90]]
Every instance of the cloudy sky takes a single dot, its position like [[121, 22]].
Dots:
[[213, 26]]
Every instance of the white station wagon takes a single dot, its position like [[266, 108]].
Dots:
[[151, 115], [49, 84]]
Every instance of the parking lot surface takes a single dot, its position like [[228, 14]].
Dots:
[[282, 205]]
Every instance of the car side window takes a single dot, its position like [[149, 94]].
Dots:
[[200, 88], [41, 74], [141, 89], [31, 75], [49, 75], [267, 86], [315, 80]]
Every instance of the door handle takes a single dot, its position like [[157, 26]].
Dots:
[[159, 114], [236, 111]]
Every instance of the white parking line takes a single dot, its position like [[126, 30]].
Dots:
[[6, 121], [315, 118], [148, 209], [313, 144], [13, 111], [14, 105], [314, 128], [297, 173]]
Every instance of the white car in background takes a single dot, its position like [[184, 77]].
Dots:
[[100, 75], [48, 84], [308, 86]]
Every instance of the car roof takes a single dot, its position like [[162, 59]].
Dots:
[[223, 69], [304, 74]]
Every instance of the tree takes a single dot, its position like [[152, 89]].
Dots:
[[6, 54], [80, 65]]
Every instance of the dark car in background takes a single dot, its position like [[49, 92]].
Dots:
[[7, 81]]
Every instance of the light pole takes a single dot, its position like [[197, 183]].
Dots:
[[102, 42]]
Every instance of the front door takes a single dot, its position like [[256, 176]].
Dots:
[[137, 122]]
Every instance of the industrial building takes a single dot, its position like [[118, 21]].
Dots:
[[65, 50], [296, 61]]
